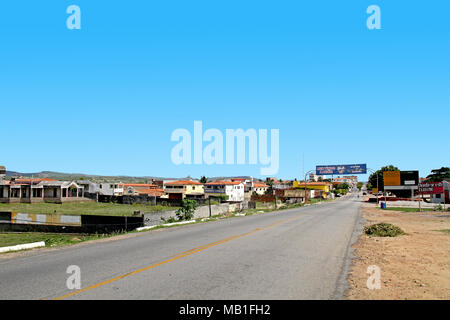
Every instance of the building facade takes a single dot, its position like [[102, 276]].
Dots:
[[233, 189], [40, 190], [182, 189]]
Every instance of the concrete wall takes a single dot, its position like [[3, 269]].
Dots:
[[154, 218]]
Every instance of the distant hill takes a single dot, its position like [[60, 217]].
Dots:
[[100, 178]]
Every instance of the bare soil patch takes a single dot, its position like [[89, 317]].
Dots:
[[413, 266]]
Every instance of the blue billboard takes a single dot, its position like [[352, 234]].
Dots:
[[341, 169]]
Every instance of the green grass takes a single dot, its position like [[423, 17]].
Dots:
[[447, 231], [408, 209], [79, 208], [51, 240], [383, 230]]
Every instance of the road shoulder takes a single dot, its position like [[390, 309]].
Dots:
[[413, 266]]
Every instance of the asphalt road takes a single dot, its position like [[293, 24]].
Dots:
[[302, 253]]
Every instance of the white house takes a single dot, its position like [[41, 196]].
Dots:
[[439, 198], [108, 189], [260, 188], [233, 189]]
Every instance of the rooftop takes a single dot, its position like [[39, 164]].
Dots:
[[183, 183]]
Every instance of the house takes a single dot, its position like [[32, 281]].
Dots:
[[2, 172], [107, 189], [40, 190], [133, 189], [233, 189], [260, 188], [182, 189], [318, 189], [439, 198]]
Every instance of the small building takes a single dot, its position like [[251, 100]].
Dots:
[[260, 188], [233, 189], [318, 189], [2, 172], [133, 189], [105, 188], [439, 198], [182, 189], [40, 190]]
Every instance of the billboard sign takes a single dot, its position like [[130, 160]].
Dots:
[[392, 178], [431, 187], [341, 169], [409, 178]]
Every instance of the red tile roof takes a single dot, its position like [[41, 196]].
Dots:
[[219, 182], [260, 185], [183, 183], [140, 185], [151, 192]]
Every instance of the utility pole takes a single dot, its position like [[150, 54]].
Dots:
[[209, 204]]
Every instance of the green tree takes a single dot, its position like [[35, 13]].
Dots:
[[359, 185], [186, 212], [203, 179], [373, 177], [437, 175]]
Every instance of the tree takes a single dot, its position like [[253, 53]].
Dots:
[[438, 175], [373, 177], [359, 185], [186, 212], [203, 179]]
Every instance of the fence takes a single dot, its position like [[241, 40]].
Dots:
[[11, 221]]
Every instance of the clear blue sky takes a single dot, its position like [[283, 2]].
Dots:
[[105, 99]]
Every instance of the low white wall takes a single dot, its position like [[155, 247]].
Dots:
[[154, 218]]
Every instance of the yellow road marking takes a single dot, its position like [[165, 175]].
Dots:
[[179, 256]]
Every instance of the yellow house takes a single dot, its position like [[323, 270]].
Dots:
[[323, 188], [184, 189]]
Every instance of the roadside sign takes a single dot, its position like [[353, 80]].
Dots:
[[431, 187], [341, 169], [392, 178]]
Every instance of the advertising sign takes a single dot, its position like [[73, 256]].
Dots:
[[392, 178], [401, 178], [409, 178], [431, 187], [341, 169]]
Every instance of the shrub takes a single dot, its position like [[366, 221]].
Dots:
[[383, 230], [186, 212]]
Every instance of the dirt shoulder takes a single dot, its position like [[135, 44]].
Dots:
[[413, 266]]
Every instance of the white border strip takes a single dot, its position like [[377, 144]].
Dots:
[[23, 246], [164, 225]]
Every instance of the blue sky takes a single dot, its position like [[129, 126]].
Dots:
[[105, 99]]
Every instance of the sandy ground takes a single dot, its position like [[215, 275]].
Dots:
[[412, 266]]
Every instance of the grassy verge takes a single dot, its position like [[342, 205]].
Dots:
[[51, 240], [90, 208], [447, 231]]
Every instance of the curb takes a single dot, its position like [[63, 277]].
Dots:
[[23, 246], [164, 225]]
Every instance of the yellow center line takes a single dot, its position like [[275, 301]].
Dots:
[[176, 257]]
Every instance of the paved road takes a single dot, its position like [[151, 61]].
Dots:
[[293, 254]]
